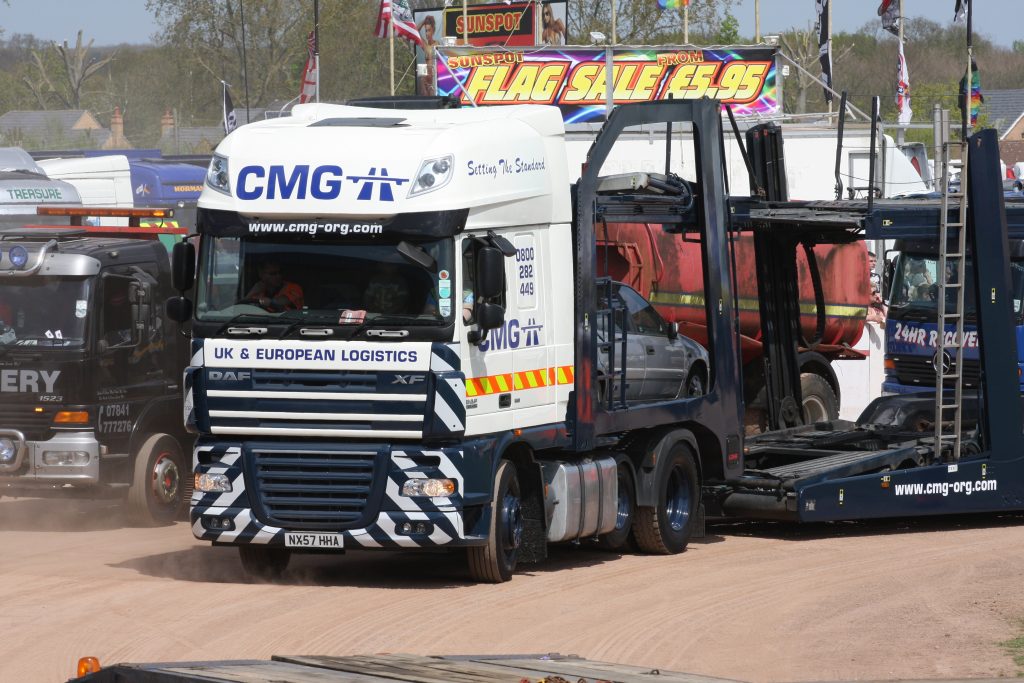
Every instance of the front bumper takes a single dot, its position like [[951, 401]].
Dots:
[[29, 470], [379, 523]]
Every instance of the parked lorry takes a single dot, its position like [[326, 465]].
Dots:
[[397, 350], [120, 181], [24, 185], [90, 367]]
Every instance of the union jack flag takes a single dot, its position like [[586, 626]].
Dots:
[[309, 73], [398, 13]]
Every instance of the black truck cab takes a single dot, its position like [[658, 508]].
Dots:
[[90, 371]]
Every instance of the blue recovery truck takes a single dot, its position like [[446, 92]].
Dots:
[[168, 184], [400, 342], [912, 323]]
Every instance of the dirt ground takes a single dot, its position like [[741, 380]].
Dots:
[[768, 602]]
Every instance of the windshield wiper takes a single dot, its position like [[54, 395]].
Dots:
[[306, 319], [396, 320], [239, 318]]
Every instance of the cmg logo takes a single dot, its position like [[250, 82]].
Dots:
[[315, 182], [513, 335], [273, 182]]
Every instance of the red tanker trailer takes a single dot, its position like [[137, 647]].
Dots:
[[667, 271]]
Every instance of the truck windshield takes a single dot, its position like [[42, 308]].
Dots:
[[43, 311], [397, 283], [915, 287]]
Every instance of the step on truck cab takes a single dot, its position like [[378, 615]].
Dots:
[[90, 368], [389, 310]]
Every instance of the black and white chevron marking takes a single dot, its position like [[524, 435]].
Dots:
[[444, 357], [445, 514]]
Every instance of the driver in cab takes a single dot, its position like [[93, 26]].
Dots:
[[273, 292]]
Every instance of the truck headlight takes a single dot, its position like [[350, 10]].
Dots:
[[212, 483], [65, 457], [433, 175], [8, 449], [217, 174], [429, 488]]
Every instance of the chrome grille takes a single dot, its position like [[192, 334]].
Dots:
[[24, 417], [918, 371]]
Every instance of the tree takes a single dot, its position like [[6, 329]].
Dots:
[[76, 66], [639, 22], [801, 45]]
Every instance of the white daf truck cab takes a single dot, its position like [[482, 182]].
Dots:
[[382, 309]]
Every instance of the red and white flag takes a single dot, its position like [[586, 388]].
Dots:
[[903, 89], [309, 74], [398, 13]]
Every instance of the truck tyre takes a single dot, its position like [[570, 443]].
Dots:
[[264, 561], [496, 561], [820, 402], [157, 493], [666, 528], [617, 539]]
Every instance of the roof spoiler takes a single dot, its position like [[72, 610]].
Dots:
[[407, 102]]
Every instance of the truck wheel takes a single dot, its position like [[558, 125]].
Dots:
[[666, 528], [264, 561], [820, 402], [616, 540], [496, 561], [157, 494], [696, 385]]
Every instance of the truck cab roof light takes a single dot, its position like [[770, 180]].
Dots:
[[88, 665], [104, 212]]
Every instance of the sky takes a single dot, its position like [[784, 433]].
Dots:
[[127, 21]]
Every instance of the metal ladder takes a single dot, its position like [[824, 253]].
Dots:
[[615, 374], [949, 353]]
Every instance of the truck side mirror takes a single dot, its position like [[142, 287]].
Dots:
[[673, 330], [183, 266], [178, 309], [489, 316], [490, 273]]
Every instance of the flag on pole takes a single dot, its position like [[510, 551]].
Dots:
[[398, 13], [309, 73], [673, 4], [889, 10], [824, 46], [976, 97], [230, 121], [960, 11], [903, 89]]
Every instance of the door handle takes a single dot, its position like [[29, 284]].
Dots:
[[650, 350]]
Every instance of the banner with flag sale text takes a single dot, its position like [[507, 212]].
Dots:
[[575, 78]]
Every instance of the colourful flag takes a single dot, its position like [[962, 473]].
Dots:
[[398, 13], [976, 97], [824, 46], [309, 73], [903, 89], [889, 10], [673, 4]]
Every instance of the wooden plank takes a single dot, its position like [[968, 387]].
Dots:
[[262, 672], [398, 667], [603, 671]]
